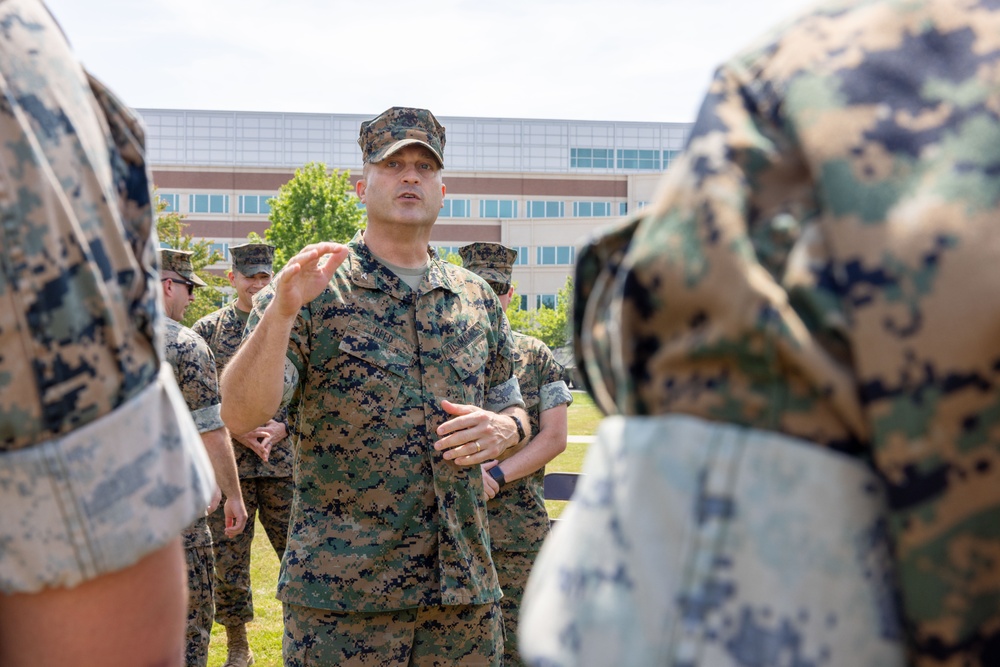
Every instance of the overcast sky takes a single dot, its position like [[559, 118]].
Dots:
[[636, 60]]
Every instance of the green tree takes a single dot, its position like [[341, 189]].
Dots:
[[170, 231], [313, 206], [549, 325]]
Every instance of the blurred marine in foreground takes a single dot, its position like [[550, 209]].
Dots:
[[813, 292], [101, 466]]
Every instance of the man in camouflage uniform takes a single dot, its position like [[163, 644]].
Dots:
[[388, 548], [515, 482], [194, 369], [820, 264], [100, 464], [263, 457]]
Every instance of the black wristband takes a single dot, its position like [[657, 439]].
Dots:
[[520, 428], [497, 474]]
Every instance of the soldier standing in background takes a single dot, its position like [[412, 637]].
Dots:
[[194, 369], [388, 551], [515, 481], [263, 457]]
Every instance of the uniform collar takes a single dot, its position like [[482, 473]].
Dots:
[[366, 271]]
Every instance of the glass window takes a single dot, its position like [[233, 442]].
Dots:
[[255, 204], [591, 209], [669, 157], [455, 208], [498, 208], [591, 158], [522, 256], [634, 158], [173, 202], [546, 209], [444, 250], [622, 208], [552, 254], [524, 301], [545, 301], [208, 203]]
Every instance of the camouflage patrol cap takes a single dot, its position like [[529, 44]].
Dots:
[[253, 258], [179, 261], [398, 127], [490, 261]]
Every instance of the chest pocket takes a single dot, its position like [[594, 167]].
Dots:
[[371, 368], [467, 354]]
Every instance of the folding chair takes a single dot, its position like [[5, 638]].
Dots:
[[560, 486]]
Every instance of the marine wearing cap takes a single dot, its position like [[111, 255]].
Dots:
[[253, 258], [179, 261], [398, 127], [492, 262]]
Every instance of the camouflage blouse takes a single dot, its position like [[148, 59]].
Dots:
[[380, 521], [194, 369], [518, 519]]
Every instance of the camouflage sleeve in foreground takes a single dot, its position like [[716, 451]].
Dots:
[[819, 263], [194, 368], [100, 463]]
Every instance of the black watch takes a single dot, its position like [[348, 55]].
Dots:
[[497, 474], [520, 430]]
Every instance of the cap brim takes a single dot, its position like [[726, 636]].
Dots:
[[403, 143], [253, 269]]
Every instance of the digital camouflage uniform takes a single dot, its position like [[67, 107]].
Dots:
[[266, 486], [820, 264], [519, 521], [100, 464], [380, 521], [194, 369]]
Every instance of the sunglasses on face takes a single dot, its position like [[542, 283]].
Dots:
[[190, 285], [500, 288]]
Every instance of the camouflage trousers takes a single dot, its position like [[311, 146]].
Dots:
[[201, 606], [513, 568], [270, 499], [444, 636]]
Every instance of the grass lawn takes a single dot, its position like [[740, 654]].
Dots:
[[265, 630]]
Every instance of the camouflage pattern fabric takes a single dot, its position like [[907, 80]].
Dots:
[[179, 261], [201, 607], [690, 542], [819, 264], [98, 459], [253, 258], [513, 568], [424, 637], [194, 367], [266, 486], [380, 521], [269, 499], [492, 262], [223, 330], [397, 127], [519, 521]]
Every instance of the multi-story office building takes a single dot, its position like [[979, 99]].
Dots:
[[540, 186]]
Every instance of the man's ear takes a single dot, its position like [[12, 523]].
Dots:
[[359, 187]]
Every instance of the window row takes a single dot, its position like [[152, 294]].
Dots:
[[453, 208], [622, 158]]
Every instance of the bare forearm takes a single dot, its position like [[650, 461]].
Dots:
[[548, 443], [220, 453], [253, 380]]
